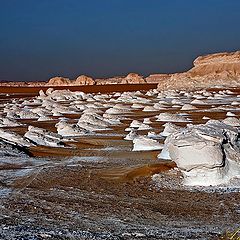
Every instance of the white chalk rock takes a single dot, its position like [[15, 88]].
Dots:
[[232, 121], [147, 121], [198, 102], [131, 135], [149, 109], [154, 135], [139, 125], [146, 144], [160, 106], [44, 118], [169, 117], [169, 128], [7, 122], [137, 106], [235, 103], [95, 119], [43, 137], [187, 107], [206, 154], [14, 138], [230, 114], [69, 130], [205, 118]]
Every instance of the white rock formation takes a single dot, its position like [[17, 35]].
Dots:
[[206, 154], [169, 117], [131, 135], [70, 130], [169, 128], [142, 143], [14, 138], [43, 137], [7, 122], [187, 107]]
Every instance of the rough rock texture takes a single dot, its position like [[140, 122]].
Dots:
[[131, 78], [207, 154], [219, 69], [61, 81], [58, 81], [84, 80], [155, 78]]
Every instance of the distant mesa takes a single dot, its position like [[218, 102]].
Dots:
[[219, 69]]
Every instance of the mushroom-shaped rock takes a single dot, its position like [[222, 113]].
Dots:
[[146, 144]]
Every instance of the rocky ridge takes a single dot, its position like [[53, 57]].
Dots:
[[212, 70]]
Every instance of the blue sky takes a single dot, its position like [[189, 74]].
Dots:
[[101, 38]]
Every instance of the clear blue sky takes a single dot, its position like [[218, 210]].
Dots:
[[40, 39]]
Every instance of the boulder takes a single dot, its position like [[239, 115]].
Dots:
[[206, 154]]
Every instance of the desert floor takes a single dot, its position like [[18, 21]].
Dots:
[[101, 189]]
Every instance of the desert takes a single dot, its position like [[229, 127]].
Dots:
[[111, 164], [119, 120]]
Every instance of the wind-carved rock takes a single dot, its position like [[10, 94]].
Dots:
[[218, 69]]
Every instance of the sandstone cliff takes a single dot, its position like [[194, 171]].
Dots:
[[219, 69], [212, 70]]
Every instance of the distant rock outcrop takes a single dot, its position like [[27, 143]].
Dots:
[[219, 69], [212, 70], [61, 81], [84, 80], [131, 78]]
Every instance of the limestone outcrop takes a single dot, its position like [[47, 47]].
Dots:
[[212, 70], [62, 81]]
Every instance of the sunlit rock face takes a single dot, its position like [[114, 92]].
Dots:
[[58, 81], [131, 78], [134, 78], [219, 69], [84, 80], [61, 81]]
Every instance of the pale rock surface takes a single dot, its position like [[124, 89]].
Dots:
[[207, 154], [69, 130], [43, 137], [187, 107], [131, 135], [14, 138], [170, 117], [218, 69], [7, 122], [143, 143]]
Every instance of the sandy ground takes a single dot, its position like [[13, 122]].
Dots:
[[103, 190]]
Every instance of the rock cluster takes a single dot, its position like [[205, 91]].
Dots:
[[61, 81]]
